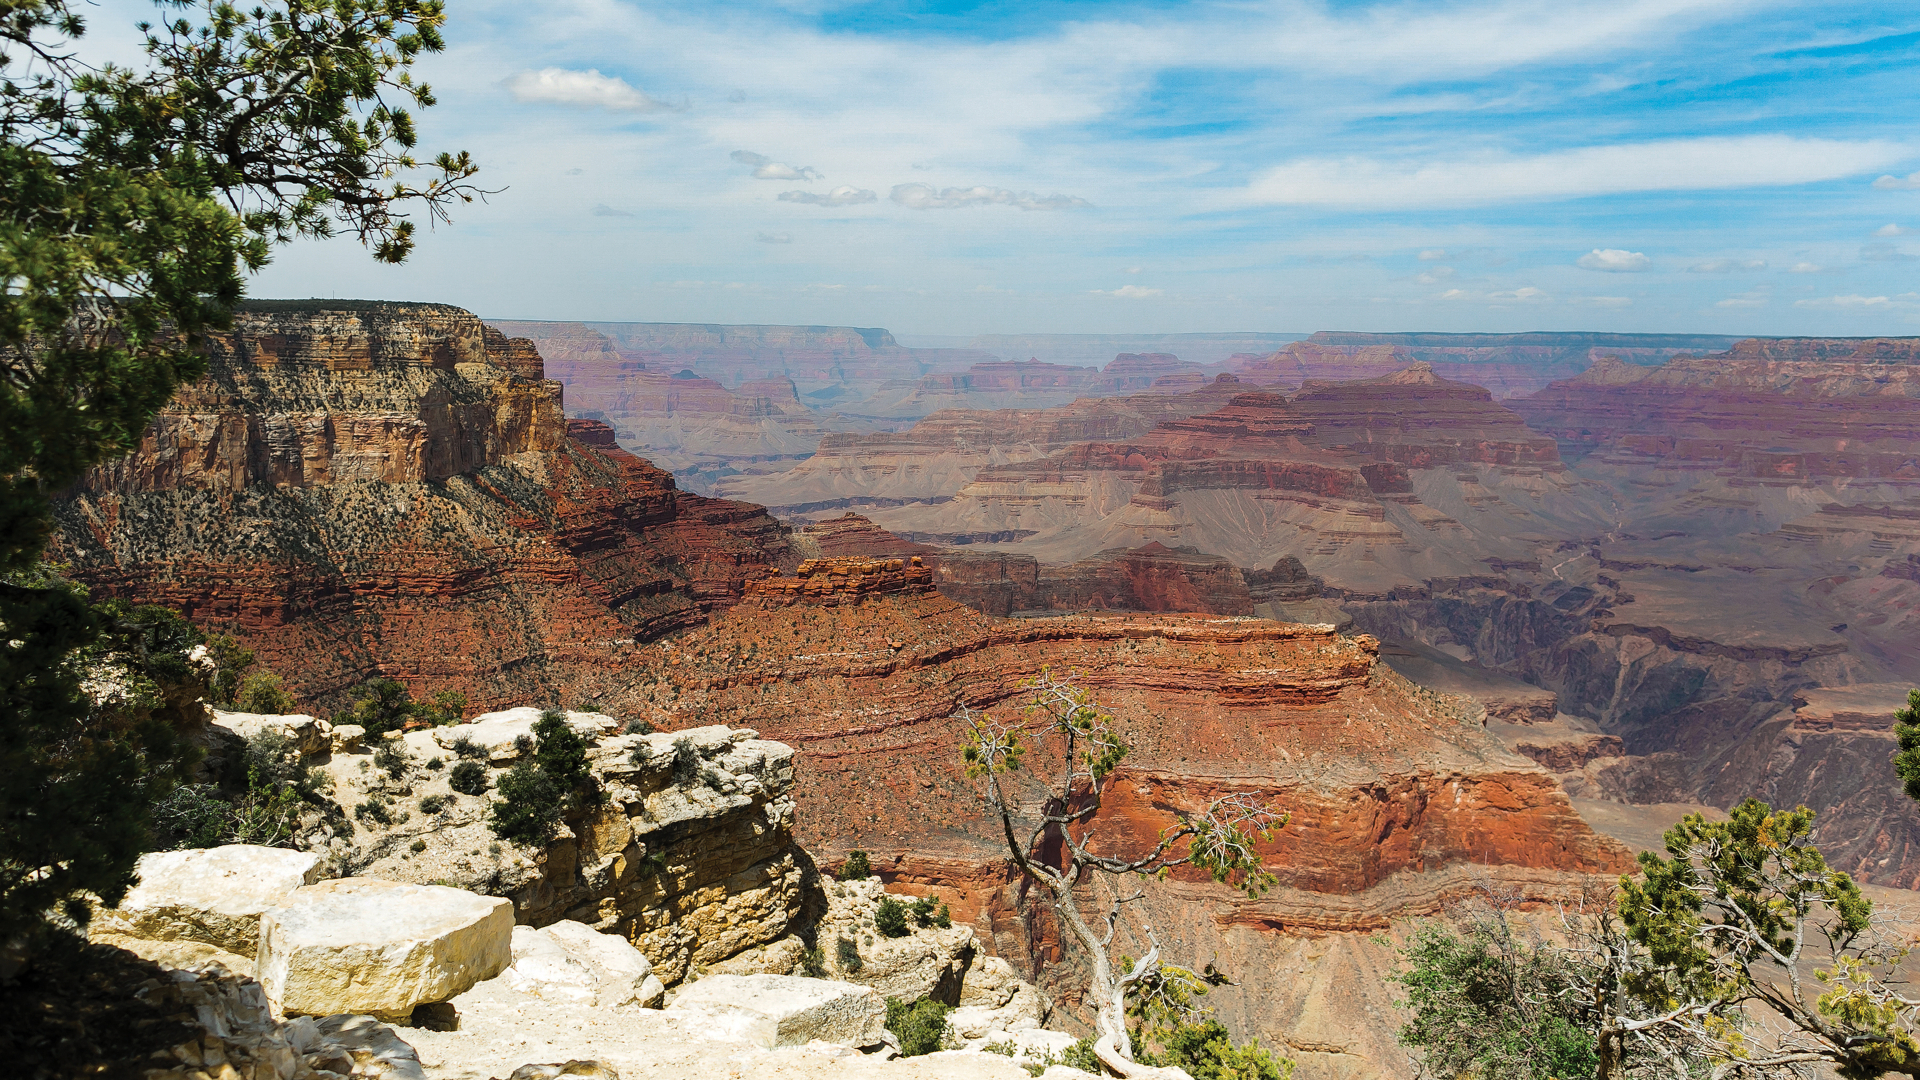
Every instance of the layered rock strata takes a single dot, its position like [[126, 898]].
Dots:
[[1397, 795], [1509, 365], [361, 489]]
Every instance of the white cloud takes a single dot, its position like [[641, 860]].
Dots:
[[1890, 229], [1435, 276], [774, 238], [1610, 301], [1852, 301], [1668, 165], [765, 168], [1806, 268], [844, 195], [1133, 269], [1456, 294], [926, 197], [603, 210], [1615, 261], [1525, 295], [1726, 266], [1129, 292], [1433, 254], [1910, 182], [1742, 301], [559, 86]]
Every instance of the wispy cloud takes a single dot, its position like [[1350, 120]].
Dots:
[[1668, 165], [1909, 182], [603, 210], [1615, 261], [765, 168], [844, 195], [589, 89], [774, 238], [1854, 300], [1130, 292], [926, 197], [1806, 268], [1885, 253], [1432, 254], [1726, 266]]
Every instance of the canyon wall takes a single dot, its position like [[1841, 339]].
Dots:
[[365, 489]]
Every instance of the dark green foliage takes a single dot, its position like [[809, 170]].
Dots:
[[813, 963], [373, 810], [230, 662], [920, 1027], [856, 867], [447, 707], [435, 764], [192, 816], [79, 775], [1487, 1003], [1081, 1056], [262, 692], [468, 750], [468, 778], [562, 754], [432, 804], [132, 201], [638, 726], [686, 762], [381, 705], [529, 807], [848, 954], [1906, 727], [927, 911], [1205, 1050], [391, 757], [417, 846], [890, 918]]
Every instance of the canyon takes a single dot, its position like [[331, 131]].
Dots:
[[1436, 622]]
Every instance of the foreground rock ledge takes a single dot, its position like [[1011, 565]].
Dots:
[[786, 1010], [362, 945], [210, 895]]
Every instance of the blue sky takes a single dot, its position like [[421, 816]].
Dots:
[[1728, 166]]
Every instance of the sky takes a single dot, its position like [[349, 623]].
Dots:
[[1712, 166]]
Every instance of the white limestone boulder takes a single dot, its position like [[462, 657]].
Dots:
[[497, 732], [1025, 1010], [310, 734], [362, 945], [990, 982], [784, 1010], [210, 895], [572, 962]]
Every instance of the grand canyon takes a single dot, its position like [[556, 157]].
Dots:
[[1469, 634]]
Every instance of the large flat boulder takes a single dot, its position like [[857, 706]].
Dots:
[[571, 961], [309, 734], [785, 1010], [362, 945], [210, 895]]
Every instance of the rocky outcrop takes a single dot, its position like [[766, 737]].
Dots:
[[361, 945], [1153, 577], [1397, 795], [1508, 365], [362, 489], [835, 581], [569, 961]]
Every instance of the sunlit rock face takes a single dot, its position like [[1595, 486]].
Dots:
[[361, 488]]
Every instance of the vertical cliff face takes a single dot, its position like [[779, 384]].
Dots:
[[360, 489]]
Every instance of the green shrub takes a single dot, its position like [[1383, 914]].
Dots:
[[192, 816], [562, 754], [921, 1027], [449, 707], [813, 963], [466, 749], [855, 868], [890, 918], [845, 951], [686, 762], [928, 911], [433, 804], [468, 778], [435, 764], [392, 758], [373, 810], [638, 726], [1205, 1050], [230, 662], [417, 846], [528, 810], [262, 692], [382, 705]]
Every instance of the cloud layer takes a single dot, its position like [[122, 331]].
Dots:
[[1667, 165], [590, 89], [926, 197], [844, 195], [1615, 261]]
